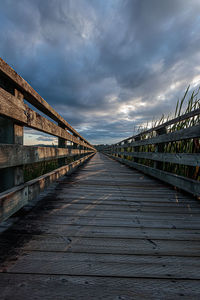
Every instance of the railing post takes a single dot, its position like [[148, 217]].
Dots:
[[122, 150], [120, 155], [78, 147], [62, 143], [137, 148], [117, 149], [112, 150], [159, 147], [126, 149], [12, 133]]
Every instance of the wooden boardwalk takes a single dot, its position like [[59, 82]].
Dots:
[[105, 232]]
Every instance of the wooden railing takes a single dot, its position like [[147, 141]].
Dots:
[[162, 152], [15, 114]]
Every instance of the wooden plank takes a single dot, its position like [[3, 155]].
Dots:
[[165, 205], [14, 155], [35, 286], [182, 134], [134, 266], [27, 117], [34, 98], [13, 199], [137, 221], [134, 199], [84, 245], [96, 210], [147, 229], [188, 159], [122, 209], [12, 133], [186, 184], [19, 140], [84, 230], [183, 117]]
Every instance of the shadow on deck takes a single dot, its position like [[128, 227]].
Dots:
[[105, 232]]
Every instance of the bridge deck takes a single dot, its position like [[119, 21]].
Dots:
[[106, 232]]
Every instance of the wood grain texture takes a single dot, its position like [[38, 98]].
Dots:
[[183, 117], [33, 97], [21, 113], [182, 134], [188, 159], [15, 198], [105, 232], [184, 183], [14, 155]]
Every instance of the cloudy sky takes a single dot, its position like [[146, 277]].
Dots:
[[107, 66]]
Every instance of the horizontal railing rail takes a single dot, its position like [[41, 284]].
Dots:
[[11, 80], [169, 152], [183, 117], [16, 158]]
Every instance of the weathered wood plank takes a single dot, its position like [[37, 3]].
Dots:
[[126, 209], [189, 159], [14, 155], [134, 266], [28, 286], [26, 116], [186, 116], [15, 198], [126, 204], [147, 229], [186, 184], [182, 134], [33, 97], [111, 229], [137, 221], [12, 201], [82, 244]]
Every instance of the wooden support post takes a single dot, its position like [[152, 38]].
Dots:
[[136, 149], [18, 139], [126, 149], [122, 150], [11, 133], [112, 150], [62, 143], [132, 148], [119, 150], [160, 148], [79, 147]]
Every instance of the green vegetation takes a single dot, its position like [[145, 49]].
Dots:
[[183, 106], [32, 171]]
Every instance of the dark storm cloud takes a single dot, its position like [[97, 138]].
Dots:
[[106, 66]]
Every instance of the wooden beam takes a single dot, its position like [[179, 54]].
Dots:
[[19, 140], [14, 199], [12, 133], [186, 184], [33, 97], [24, 115], [15, 155], [188, 159], [183, 134], [186, 116]]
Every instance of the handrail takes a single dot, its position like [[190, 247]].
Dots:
[[183, 117], [15, 157], [33, 97], [169, 154]]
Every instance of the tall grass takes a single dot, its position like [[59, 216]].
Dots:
[[32, 171], [187, 104]]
